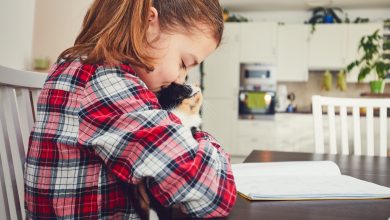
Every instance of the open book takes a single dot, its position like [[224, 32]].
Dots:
[[301, 180]]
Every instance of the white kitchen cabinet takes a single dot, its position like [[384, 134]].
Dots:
[[327, 47], [221, 83], [222, 68], [220, 120], [258, 43], [255, 135], [293, 52], [246, 144], [287, 132], [355, 33], [294, 133]]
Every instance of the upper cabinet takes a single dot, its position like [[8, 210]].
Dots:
[[327, 46], [222, 68], [292, 48], [292, 53], [258, 42], [334, 46], [355, 33]]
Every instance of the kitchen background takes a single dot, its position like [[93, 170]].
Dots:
[[304, 90], [40, 29]]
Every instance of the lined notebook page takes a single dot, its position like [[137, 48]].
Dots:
[[301, 180]]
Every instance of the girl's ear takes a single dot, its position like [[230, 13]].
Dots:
[[154, 25], [153, 14]]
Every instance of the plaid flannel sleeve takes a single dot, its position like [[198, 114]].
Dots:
[[121, 120]]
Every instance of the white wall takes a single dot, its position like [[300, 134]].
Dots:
[[298, 17], [16, 25], [58, 23]]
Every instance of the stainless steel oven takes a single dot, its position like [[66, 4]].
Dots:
[[254, 103], [257, 95]]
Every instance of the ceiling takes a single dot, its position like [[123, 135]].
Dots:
[[272, 5]]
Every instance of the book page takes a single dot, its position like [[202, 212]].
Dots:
[[292, 168], [301, 180], [307, 187]]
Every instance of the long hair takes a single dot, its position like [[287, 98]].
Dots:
[[114, 31]]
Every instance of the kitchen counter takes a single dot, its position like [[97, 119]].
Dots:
[[362, 113], [375, 95], [286, 132]]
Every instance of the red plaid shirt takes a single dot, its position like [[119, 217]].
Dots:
[[99, 131]]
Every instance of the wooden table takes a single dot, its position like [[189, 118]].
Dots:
[[373, 169]]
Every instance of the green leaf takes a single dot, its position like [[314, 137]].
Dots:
[[363, 73], [380, 69], [351, 66], [371, 58]]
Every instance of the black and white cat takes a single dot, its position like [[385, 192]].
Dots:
[[184, 101]]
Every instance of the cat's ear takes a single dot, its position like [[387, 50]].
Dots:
[[198, 98]]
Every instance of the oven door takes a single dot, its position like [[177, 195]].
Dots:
[[256, 103]]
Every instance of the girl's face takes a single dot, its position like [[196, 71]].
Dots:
[[174, 53]]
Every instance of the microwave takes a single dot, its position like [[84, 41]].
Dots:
[[254, 103], [258, 76]]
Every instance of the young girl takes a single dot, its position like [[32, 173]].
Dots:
[[101, 135]]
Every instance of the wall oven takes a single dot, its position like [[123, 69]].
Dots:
[[257, 95], [252, 103]]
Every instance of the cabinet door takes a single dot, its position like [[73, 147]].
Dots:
[[295, 132], [247, 144], [219, 119], [255, 135], [293, 53], [258, 42], [327, 47], [355, 33], [287, 132], [222, 67]]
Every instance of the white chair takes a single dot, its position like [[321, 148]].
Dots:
[[375, 135], [19, 91]]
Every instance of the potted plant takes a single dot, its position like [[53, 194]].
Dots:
[[325, 15], [371, 62]]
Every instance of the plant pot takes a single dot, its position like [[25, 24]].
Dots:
[[377, 86]]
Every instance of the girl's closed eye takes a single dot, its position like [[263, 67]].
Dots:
[[183, 65]]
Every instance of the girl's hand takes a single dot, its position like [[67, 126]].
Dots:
[[143, 195]]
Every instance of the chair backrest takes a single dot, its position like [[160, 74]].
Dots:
[[364, 111], [19, 92]]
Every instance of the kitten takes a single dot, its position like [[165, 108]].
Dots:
[[178, 99]]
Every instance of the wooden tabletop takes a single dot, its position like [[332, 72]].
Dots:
[[373, 169]]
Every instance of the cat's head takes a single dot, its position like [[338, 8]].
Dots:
[[171, 96]]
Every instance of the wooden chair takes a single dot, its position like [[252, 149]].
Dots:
[[375, 135], [19, 91]]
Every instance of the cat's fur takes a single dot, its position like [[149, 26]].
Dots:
[[172, 96]]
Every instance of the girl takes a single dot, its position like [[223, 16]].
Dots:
[[100, 132]]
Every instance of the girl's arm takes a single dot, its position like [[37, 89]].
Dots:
[[121, 121]]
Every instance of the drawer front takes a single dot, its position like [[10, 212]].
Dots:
[[246, 145], [256, 128]]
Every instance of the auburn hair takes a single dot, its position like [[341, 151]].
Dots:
[[114, 31]]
